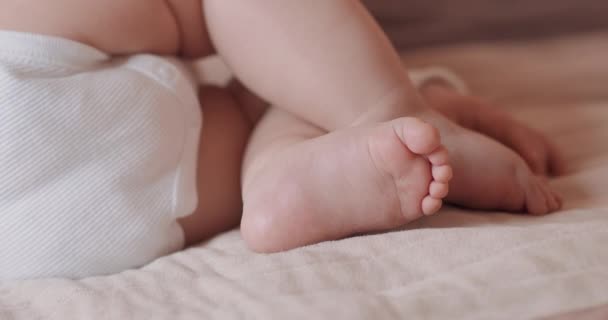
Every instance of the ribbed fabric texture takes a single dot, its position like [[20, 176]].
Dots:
[[97, 158]]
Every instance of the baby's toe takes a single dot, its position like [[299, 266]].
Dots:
[[420, 137], [439, 190], [554, 200], [439, 157], [550, 201], [536, 200], [560, 200], [431, 206], [442, 174]]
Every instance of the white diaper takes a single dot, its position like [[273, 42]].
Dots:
[[97, 157]]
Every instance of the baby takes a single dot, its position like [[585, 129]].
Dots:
[[106, 162]]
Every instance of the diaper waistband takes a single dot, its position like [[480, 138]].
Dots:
[[49, 49]]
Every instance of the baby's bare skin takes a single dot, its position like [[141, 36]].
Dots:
[[117, 27], [179, 27]]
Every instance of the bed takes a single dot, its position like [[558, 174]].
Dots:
[[459, 264]]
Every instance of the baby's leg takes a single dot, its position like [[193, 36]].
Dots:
[[302, 186], [226, 130], [330, 64], [329, 56]]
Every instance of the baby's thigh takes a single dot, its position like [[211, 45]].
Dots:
[[223, 140]]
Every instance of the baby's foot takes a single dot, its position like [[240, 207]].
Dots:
[[361, 179], [488, 175], [475, 114]]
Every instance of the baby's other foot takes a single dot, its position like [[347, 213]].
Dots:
[[357, 180], [473, 113], [490, 176]]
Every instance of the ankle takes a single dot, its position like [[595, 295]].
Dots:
[[397, 104]]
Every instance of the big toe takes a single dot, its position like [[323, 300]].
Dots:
[[419, 136]]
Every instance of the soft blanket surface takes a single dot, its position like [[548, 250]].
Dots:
[[457, 265]]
